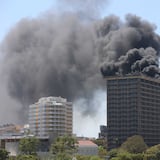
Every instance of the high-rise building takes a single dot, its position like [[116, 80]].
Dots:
[[50, 116], [103, 132], [133, 108]]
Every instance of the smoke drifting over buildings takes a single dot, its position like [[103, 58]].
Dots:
[[130, 48], [54, 55], [51, 56], [65, 54]]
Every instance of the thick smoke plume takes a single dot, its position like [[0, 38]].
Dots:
[[52, 55], [129, 48], [62, 55]]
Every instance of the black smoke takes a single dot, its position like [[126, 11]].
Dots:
[[133, 47]]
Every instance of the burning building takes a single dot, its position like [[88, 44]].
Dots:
[[133, 109], [131, 68]]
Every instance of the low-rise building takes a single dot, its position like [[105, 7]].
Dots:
[[11, 143], [87, 147]]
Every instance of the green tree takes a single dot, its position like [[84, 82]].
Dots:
[[153, 149], [28, 145], [158, 155], [134, 144], [115, 158], [153, 152], [27, 157], [87, 157], [139, 156], [101, 142], [113, 153], [4, 154], [95, 158], [102, 152], [149, 157], [83, 157], [64, 147], [124, 156]]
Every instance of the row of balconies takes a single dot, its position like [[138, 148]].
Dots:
[[150, 94], [48, 123], [48, 128], [51, 122], [47, 113], [149, 84], [149, 90], [47, 117], [55, 117]]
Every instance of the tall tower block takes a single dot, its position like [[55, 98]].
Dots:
[[133, 108]]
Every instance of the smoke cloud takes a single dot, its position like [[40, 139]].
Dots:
[[52, 56], [129, 48]]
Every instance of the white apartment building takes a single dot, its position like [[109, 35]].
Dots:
[[51, 116]]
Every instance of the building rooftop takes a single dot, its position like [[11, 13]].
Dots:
[[20, 136], [86, 143], [58, 101], [131, 76], [49, 99]]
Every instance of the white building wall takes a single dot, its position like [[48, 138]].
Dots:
[[51, 115], [88, 150], [12, 147]]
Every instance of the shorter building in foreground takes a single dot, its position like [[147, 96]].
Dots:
[[11, 134], [11, 143], [51, 116], [10, 128], [87, 147]]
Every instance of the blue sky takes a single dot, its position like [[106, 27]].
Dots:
[[148, 10], [11, 11]]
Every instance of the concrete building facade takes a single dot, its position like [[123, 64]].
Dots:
[[50, 116], [87, 147], [10, 142], [103, 132], [133, 108]]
